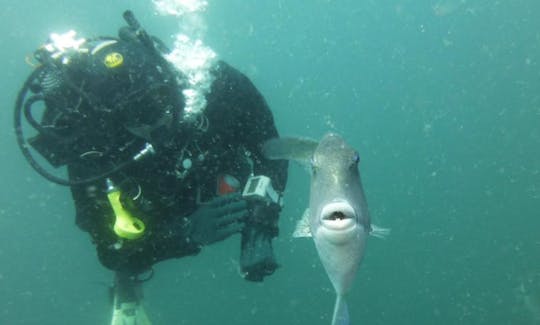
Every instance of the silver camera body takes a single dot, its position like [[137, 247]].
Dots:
[[259, 188]]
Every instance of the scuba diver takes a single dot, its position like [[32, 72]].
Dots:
[[149, 183]]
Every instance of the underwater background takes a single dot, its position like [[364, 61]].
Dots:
[[442, 100]]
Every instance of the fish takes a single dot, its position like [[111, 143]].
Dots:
[[337, 218]]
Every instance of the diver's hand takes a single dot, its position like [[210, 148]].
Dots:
[[218, 219]]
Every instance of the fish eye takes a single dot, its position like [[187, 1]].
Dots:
[[356, 158]]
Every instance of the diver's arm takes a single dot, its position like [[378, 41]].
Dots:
[[264, 129], [257, 258], [253, 114], [239, 105], [253, 126]]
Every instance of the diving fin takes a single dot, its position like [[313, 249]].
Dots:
[[127, 302], [129, 313]]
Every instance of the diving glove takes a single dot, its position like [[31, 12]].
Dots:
[[218, 219]]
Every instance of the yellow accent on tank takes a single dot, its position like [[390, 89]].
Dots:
[[113, 60], [125, 226]]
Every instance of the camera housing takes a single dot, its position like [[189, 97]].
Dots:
[[259, 188]]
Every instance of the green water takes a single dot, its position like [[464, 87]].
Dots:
[[442, 100]]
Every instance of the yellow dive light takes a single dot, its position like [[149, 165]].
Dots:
[[125, 226]]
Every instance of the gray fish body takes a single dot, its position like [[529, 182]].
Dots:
[[338, 217]]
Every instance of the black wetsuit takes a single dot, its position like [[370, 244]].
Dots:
[[163, 194]]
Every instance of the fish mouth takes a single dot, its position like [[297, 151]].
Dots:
[[338, 215]]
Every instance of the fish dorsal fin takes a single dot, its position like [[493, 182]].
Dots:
[[302, 226], [298, 149]]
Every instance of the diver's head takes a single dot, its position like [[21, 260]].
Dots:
[[109, 99], [102, 96], [132, 85]]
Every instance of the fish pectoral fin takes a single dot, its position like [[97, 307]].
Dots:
[[302, 226], [379, 232]]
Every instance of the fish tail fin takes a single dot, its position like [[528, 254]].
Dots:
[[341, 312], [379, 232]]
